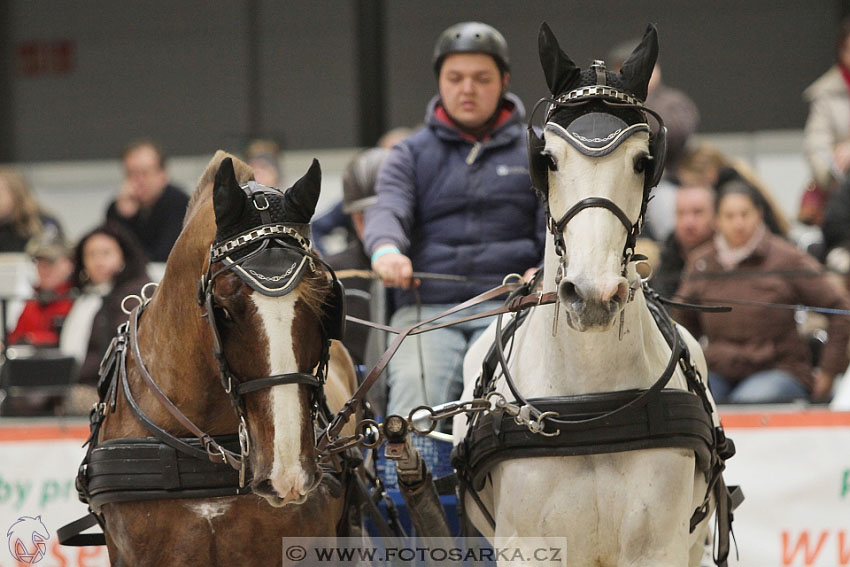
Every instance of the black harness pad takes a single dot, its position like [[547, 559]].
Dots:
[[674, 418]]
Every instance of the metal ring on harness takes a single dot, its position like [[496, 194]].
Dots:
[[418, 415], [644, 262], [124, 301], [144, 292], [506, 280], [370, 429]]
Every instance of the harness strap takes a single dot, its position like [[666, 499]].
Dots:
[[278, 379], [72, 534], [211, 450], [594, 202]]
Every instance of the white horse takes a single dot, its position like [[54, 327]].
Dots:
[[619, 509]]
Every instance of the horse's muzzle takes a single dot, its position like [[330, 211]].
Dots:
[[295, 495], [592, 309]]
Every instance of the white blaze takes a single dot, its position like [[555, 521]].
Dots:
[[278, 314]]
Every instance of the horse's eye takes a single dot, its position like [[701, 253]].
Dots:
[[550, 161], [642, 163]]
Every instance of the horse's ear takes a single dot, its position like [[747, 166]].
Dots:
[[301, 198], [638, 67], [228, 197], [560, 71]]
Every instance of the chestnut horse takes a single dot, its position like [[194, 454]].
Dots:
[[263, 332]]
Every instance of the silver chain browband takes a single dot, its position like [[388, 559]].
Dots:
[[597, 91], [223, 250]]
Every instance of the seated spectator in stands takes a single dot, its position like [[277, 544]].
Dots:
[[21, 217], [109, 265], [43, 315], [694, 227], [148, 206], [358, 186], [836, 230], [755, 353], [707, 165], [264, 158]]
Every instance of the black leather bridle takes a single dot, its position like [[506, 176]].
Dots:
[[539, 163], [236, 387]]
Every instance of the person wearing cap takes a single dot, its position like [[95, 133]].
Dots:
[[41, 320], [453, 199]]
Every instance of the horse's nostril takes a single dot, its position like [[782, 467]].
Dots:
[[569, 292], [265, 488]]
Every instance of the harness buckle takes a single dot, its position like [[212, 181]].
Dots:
[[260, 202], [244, 439]]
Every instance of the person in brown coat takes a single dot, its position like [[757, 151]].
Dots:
[[755, 353]]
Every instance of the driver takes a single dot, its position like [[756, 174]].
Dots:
[[453, 198]]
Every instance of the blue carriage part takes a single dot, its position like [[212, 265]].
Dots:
[[436, 454], [449, 502]]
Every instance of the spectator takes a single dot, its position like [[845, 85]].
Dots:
[[836, 230], [21, 218], [149, 207], [109, 265], [41, 320], [707, 165], [680, 113], [453, 198], [358, 185], [755, 353], [827, 131], [694, 226], [264, 158]]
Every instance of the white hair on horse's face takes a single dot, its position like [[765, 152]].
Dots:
[[288, 477], [593, 289]]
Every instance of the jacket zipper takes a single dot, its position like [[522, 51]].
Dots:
[[473, 153]]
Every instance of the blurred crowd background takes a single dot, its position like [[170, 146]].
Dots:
[[110, 111]]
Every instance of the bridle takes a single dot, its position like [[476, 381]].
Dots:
[[539, 163], [236, 387], [233, 255]]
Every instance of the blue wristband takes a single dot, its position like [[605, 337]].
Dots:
[[385, 250]]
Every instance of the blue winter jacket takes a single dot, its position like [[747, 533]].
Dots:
[[455, 206]]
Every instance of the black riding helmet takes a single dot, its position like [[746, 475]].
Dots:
[[472, 37]]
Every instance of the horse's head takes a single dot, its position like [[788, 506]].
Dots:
[[271, 308], [595, 166]]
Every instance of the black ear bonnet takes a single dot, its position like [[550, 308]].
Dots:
[[595, 110], [263, 236]]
